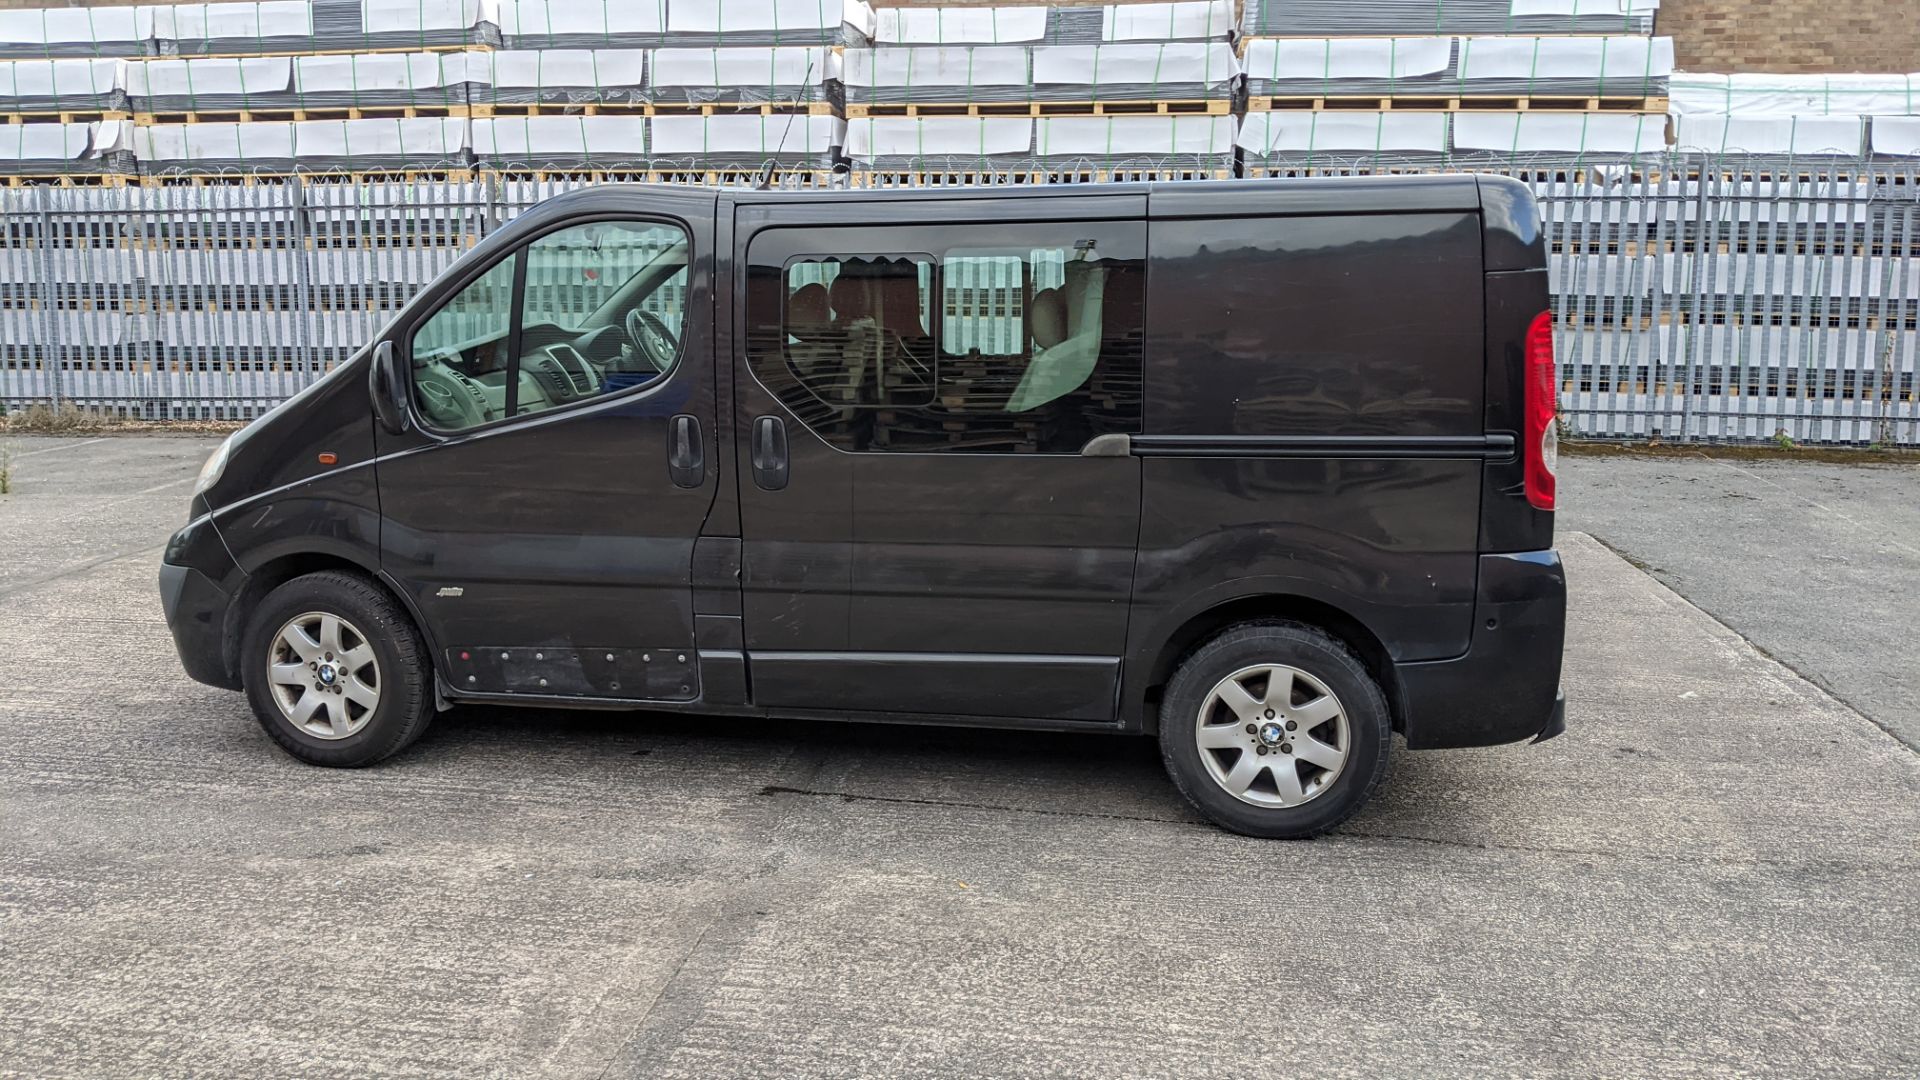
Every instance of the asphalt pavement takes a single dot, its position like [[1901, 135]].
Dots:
[[1712, 873], [1818, 563]]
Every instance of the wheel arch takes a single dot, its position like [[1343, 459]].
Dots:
[[1210, 622], [275, 572]]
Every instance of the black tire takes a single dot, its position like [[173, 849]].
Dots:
[[1322, 657], [405, 703]]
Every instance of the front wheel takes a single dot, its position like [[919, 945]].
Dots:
[[335, 671], [1275, 730]]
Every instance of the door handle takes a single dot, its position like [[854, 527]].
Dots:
[[686, 454], [769, 453]]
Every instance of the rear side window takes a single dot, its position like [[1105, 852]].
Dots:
[[996, 339]]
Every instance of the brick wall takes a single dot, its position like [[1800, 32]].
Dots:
[[1801, 36]]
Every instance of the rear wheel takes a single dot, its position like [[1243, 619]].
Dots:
[[1275, 730], [335, 671]]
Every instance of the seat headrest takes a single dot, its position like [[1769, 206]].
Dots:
[[808, 316], [1047, 318], [849, 298]]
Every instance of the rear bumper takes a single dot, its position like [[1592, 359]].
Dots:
[[1507, 686]]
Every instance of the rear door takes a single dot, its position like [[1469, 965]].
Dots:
[[929, 527], [542, 510]]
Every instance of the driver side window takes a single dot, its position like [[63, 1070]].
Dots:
[[588, 310]]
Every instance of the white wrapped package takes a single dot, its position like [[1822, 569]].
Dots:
[[225, 75], [1183, 62], [1897, 136], [740, 16], [938, 65], [1710, 133], [273, 18], [363, 72], [537, 137], [1294, 132], [1188, 19], [1624, 57], [1585, 7], [746, 65], [534, 69], [681, 136], [40, 26], [1115, 136], [1560, 133], [1348, 58], [45, 142], [959, 26], [536, 17], [429, 139], [76, 77], [182, 143], [413, 16], [112, 135], [939, 136], [1806, 95]]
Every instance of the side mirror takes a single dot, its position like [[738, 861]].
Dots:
[[389, 393]]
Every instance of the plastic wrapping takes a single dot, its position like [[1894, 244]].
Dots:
[[1337, 18], [560, 76], [212, 84], [388, 79], [940, 143], [935, 73], [769, 22], [195, 29], [561, 142], [1619, 66], [1349, 66], [1771, 135], [749, 141], [85, 31], [751, 73], [1512, 136], [75, 83], [1806, 95], [312, 145], [582, 24], [1192, 70]]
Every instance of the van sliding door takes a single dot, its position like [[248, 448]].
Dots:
[[929, 526]]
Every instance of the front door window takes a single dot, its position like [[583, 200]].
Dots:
[[581, 312]]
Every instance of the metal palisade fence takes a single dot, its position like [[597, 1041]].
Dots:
[[1696, 300]]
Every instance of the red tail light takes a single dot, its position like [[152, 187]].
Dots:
[[1541, 442]]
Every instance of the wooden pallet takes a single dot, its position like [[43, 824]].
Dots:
[[87, 180], [477, 46], [343, 112], [255, 179], [889, 178], [66, 116], [1413, 103], [1201, 107], [655, 108]]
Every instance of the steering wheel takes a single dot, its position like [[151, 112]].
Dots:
[[651, 338]]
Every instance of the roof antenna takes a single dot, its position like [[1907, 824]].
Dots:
[[771, 169]]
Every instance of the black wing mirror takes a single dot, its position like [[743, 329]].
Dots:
[[389, 393]]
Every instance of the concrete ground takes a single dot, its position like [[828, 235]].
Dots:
[[1713, 872], [1816, 563]]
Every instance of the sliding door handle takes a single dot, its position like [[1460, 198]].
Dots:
[[769, 453], [686, 454]]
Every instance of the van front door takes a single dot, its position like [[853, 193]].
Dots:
[[541, 511], [932, 523]]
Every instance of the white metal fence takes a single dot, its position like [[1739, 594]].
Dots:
[[1694, 303]]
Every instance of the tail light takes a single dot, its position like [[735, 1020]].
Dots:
[[1541, 444]]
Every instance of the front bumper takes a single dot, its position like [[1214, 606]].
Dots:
[[196, 603], [1507, 686]]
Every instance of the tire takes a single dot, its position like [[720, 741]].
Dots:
[[1335, 767], [372, 654]]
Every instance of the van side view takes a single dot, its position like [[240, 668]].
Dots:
[[1263, 469]]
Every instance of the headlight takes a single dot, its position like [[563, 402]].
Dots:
[[216, 464]]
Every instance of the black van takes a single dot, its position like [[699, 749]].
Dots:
[[1263, 468]]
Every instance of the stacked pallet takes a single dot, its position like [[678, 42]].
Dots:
[[1798, 118], [1429, 83], [1069, 91], [243, 90]]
